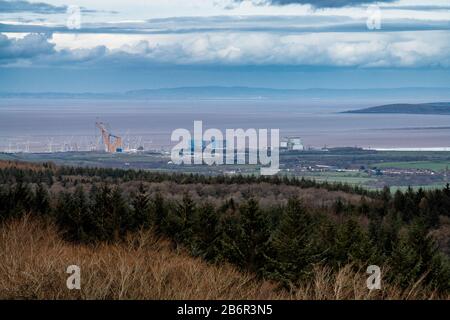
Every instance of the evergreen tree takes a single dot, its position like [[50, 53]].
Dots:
[[142, 215], [180, 220], [295, 242], [364, 207], [386, 195], [74, 216], [207, 241], [159, 213], [411, 207], [41, 201], [430, 209], [338, 207], [376, 234], [352, 243], [229, 231], [5, 203], [122, 216], [415, 256], [21, 199], [391, 228], [399, 201], [104, 220], [253, 242]]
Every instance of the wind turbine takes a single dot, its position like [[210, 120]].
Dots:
[[50, 145]]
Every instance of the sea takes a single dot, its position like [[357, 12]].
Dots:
[[51, 125]]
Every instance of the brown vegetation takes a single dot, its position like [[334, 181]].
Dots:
[[24, 165], [34, 258]]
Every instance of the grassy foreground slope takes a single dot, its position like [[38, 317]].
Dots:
[[34, 259]]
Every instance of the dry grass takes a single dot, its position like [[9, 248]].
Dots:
[[34, 258]]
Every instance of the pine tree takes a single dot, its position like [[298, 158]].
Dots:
[[21, 199], [4, 203], [41, 201], [122, 216], [404, 264], [254, 236], [295, 242], [430, 208], [352, 243], [74, 216], [399, 201], [364, 207], [417, 255], [338, 207], [411, 207], [159, 213], [142, 215], [103, 216], [391, 228], [229, 232], [180, 220], [206, 232], [386, 194], [376, 233]]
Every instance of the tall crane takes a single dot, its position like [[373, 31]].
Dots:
[[112, 143]]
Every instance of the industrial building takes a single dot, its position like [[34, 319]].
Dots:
[[292, 144]]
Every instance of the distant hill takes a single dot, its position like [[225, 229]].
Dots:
[[217, 92], [405, 108]]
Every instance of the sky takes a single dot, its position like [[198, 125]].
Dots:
[[135, 44]]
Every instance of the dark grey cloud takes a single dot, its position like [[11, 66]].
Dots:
[[25, 6], [16, 6], [37, 49], [30, 46], [319, 3]]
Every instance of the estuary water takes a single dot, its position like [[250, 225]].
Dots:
[[39, 125]]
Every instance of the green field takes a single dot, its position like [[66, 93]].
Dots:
[[291, 163], [430, 165], [425, 187], [343, 177]]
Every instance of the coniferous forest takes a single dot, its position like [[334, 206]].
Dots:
[[278, 229]]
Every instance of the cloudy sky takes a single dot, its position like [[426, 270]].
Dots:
[[136, 44]]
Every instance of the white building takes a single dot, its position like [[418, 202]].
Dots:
[[295, 143]]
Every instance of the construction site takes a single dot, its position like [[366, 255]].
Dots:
[[102, 140], [111, 142]]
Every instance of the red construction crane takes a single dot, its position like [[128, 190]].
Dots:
[[112, 143]]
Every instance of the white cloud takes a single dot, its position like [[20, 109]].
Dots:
[[395, 49], [292, 35]]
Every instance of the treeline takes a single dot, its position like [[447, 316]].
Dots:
[[49, 174], [282, 242]]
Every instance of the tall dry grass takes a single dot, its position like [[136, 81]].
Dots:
[[34, 258]]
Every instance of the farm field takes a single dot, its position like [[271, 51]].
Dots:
[[365, 168], [426, 165]]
